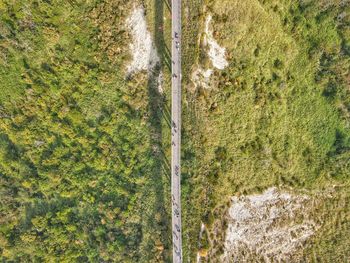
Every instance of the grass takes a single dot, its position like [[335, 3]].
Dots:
[[267, 119]]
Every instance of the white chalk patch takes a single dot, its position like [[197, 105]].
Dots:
[[201, 77], [200, 237], [160, 81], [216, 53], [265, 225], [142, 48]]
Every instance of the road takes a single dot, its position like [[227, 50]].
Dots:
[[176, 130]]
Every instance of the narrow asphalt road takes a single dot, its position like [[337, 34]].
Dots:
[[176, 130]]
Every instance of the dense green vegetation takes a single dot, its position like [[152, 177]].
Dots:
[[80, 173], [84, 152]]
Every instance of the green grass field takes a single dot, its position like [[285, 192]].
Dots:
[[279, 114]]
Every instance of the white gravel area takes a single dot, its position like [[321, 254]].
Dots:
[[217, 55], [266, 225], [142, 48]]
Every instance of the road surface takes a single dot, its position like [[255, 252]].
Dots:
[[176, 129]]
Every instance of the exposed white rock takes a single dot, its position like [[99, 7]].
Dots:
[[202, 77], [216, 53], [200, 237], [142, 48], [160, 81], [265, 225]]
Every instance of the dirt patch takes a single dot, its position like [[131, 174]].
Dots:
[[272, 226]]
